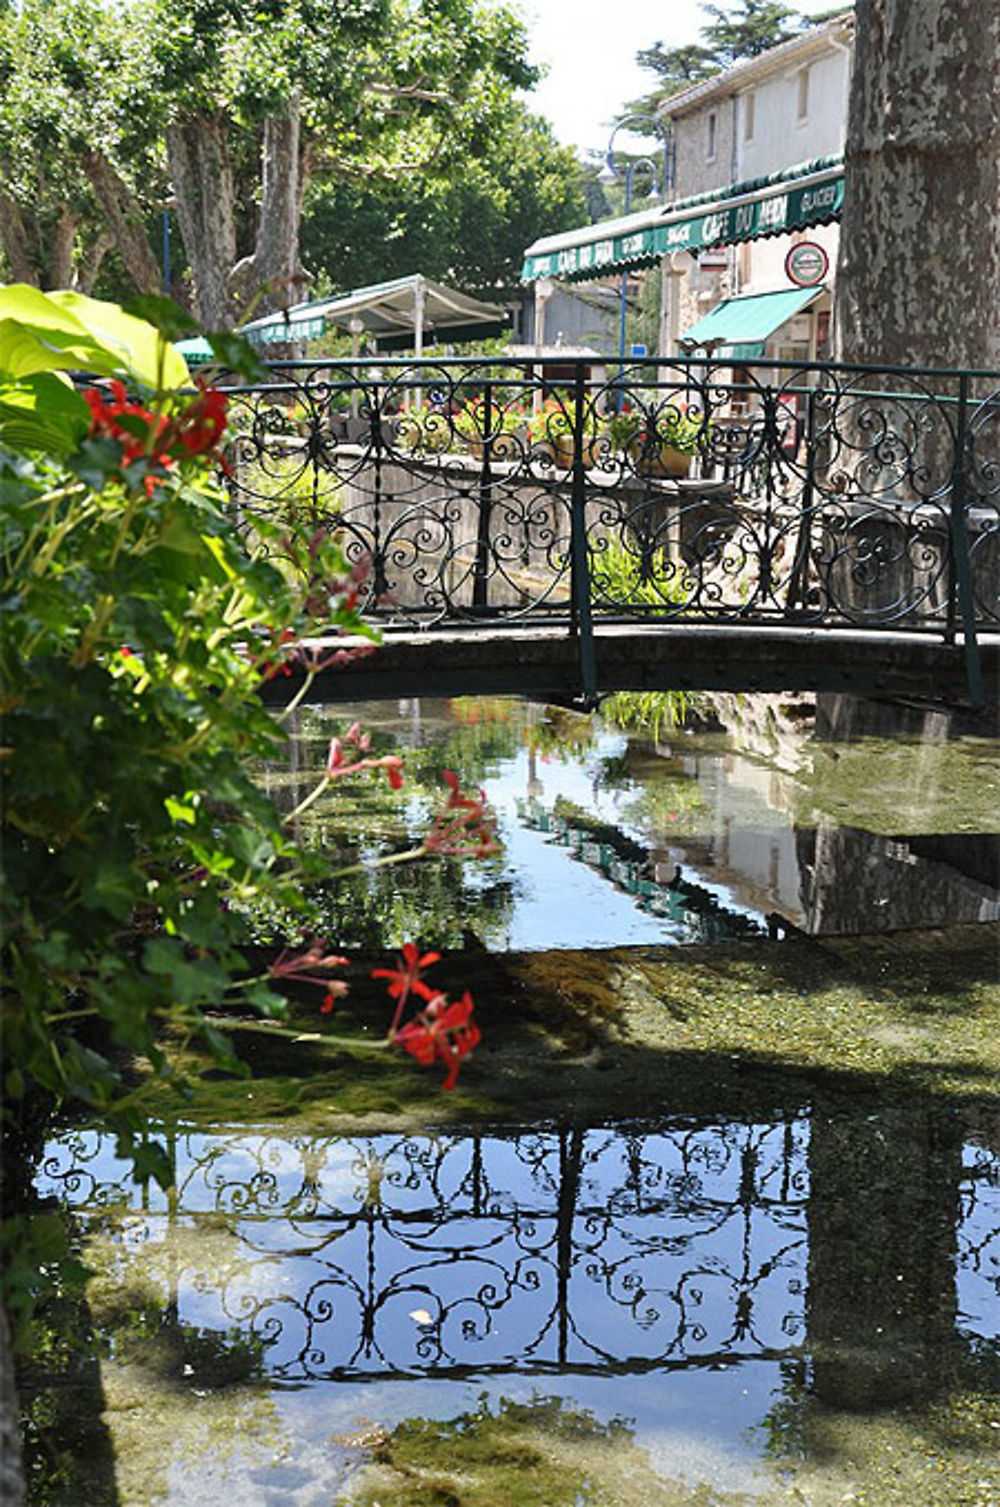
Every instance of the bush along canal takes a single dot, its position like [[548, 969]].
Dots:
[[712, 1214]]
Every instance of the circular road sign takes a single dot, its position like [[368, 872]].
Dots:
[[806, 264]]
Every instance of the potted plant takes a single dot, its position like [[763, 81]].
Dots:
[[659, 442], [472, 423], [424, 431], [553, 429]]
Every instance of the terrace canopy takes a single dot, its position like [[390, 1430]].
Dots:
[[811, 193], [401, 315]]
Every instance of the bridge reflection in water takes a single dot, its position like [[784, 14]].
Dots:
[[787, 497], [865, 1244]]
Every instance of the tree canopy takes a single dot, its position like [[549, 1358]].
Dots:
[[238, 117], [467, 227], [745, 31]]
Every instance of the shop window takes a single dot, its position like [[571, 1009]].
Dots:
[[802, 94]]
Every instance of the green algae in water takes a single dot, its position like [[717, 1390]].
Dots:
[[541, 1453], [707, 1032]]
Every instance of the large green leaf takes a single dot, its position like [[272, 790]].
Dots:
[[141, 350], [36, 335], [66, 331], [42, 412]]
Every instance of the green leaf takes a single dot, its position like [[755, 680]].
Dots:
[[110, 886], [192, 982], [65, 331], [163, 314], [42, 412], [150, 1160], [178, 812], [36, 335], [237, 355], [138, 348]]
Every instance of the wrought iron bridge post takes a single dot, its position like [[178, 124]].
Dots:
[[960, 595], [582, 624]]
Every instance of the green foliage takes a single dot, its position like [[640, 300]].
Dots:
[[107, 112], [731, 34], [557, 419], [136, 632], [649, 430], [652, 712], [60, 83], [536, 1453], [637, 573], [466, 220]]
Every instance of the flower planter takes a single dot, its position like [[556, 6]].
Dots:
[[565, 451], [667, 461], [505, 445]]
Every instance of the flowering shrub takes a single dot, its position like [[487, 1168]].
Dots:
[[557, 417], [137, 632], [648, 430]]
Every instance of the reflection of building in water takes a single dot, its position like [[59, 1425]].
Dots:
[[860, 882], [662, 890], [772, 833]]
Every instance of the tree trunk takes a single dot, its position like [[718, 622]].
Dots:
[[11, 1470], [918, 281], [201, 173], [61, 265], [272, 277], [14, 239], [125, 217], [93, 256]]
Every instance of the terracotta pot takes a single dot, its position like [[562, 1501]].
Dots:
[[665, 462], [565, 452]]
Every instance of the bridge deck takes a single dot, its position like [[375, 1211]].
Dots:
[[544, 662]]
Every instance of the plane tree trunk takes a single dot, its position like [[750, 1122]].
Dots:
[[918, 281], [272, 275], [125, 217], [201, 172]]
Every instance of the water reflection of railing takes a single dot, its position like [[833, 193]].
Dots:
[[547, 1250], [616, 1249], [977, 1254]]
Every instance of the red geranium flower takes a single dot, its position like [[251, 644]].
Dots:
[[406, 979], [443, 1031]]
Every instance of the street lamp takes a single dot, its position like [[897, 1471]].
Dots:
[[657, 190]]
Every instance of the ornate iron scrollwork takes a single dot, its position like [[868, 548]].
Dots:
[[814, 494]]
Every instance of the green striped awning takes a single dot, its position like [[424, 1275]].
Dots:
[[811, 194], [196, 351]]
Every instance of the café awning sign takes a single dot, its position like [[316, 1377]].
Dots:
[[810, 194]]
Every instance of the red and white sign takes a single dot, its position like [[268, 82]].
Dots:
[[806, 264]]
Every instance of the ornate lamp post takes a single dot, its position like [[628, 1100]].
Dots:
[[657, 190]]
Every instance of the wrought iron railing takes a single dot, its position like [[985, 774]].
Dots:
[[687, 491]]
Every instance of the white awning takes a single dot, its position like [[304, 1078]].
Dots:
[[401, 313]]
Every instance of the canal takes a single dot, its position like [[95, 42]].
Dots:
[[713, 1215]]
